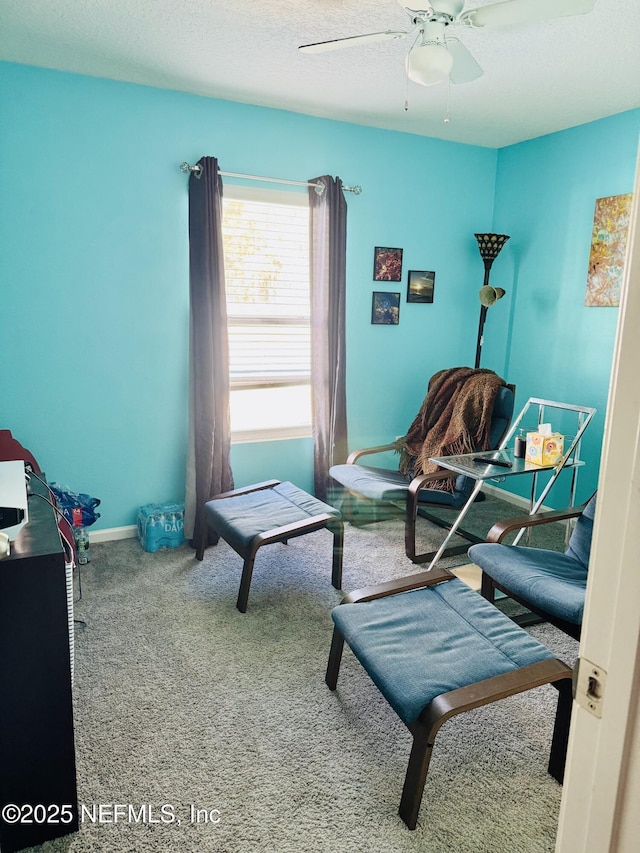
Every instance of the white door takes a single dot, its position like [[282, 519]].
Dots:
[[600, 811]]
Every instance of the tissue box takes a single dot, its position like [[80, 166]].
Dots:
[[544, 449], [161, 526]]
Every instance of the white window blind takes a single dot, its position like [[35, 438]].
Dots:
[[266, 251]]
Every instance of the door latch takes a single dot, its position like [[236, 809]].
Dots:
[[590, 681]]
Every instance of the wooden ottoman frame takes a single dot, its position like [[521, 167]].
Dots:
[[248, 550], [447, 705]]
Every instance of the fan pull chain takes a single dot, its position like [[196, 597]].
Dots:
[[406, 100]]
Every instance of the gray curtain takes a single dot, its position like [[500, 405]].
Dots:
[[328, 246], [208, 467]]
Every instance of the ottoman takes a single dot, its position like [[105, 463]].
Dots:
[[435, 648], [264, 513]]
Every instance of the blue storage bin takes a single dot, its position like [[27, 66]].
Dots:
[[161, 526]]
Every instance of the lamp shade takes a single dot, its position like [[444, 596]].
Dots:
[[488, 295], [428, 64], [490, 245]]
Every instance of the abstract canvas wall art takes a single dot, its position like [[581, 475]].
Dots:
[[608, 247]]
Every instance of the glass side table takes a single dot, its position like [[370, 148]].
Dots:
[[505, 464]]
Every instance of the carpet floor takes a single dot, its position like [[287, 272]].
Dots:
[[213, 731]]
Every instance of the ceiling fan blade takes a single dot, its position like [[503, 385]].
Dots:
[[524, 12], [465, 68], [416, 7], [352, 41]]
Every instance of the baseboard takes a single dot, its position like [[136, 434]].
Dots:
[[111, 533], [524, 503]]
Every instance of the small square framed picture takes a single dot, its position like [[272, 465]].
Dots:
[[420, 285], [385, 309], [387, 264]]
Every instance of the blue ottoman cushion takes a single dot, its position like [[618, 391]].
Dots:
[[420, 644], [240, 518]]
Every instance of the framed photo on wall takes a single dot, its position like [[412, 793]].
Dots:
[[385, 308], [420, 285], [387, 264]]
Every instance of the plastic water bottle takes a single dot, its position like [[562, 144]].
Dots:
[[82, 545]]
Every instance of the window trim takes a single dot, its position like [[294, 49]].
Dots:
[[248, 436]]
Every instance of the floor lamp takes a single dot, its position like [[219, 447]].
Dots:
[[490, 246]]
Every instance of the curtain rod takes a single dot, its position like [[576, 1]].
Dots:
[[185, 167]]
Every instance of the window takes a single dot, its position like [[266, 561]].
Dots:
[[266, 256]]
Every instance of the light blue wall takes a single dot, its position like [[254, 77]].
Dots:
[[547, 341], [94, 271], [94, 266]]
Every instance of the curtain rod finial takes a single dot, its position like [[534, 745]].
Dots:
[[185, 167]]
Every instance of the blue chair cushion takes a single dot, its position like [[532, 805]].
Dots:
[[240, 518], [580, 542], [502, 414], [417, 645], [386, 485], [553, 581]]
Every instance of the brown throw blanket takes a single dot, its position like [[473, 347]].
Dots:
[[454, 418]]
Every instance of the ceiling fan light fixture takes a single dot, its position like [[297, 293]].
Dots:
[[429, 63]]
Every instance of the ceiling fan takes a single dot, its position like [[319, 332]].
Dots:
[[435, 55]]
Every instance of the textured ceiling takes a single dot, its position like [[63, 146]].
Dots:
[[537, 79]]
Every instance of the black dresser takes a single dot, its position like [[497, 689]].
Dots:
[[38, 796]]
